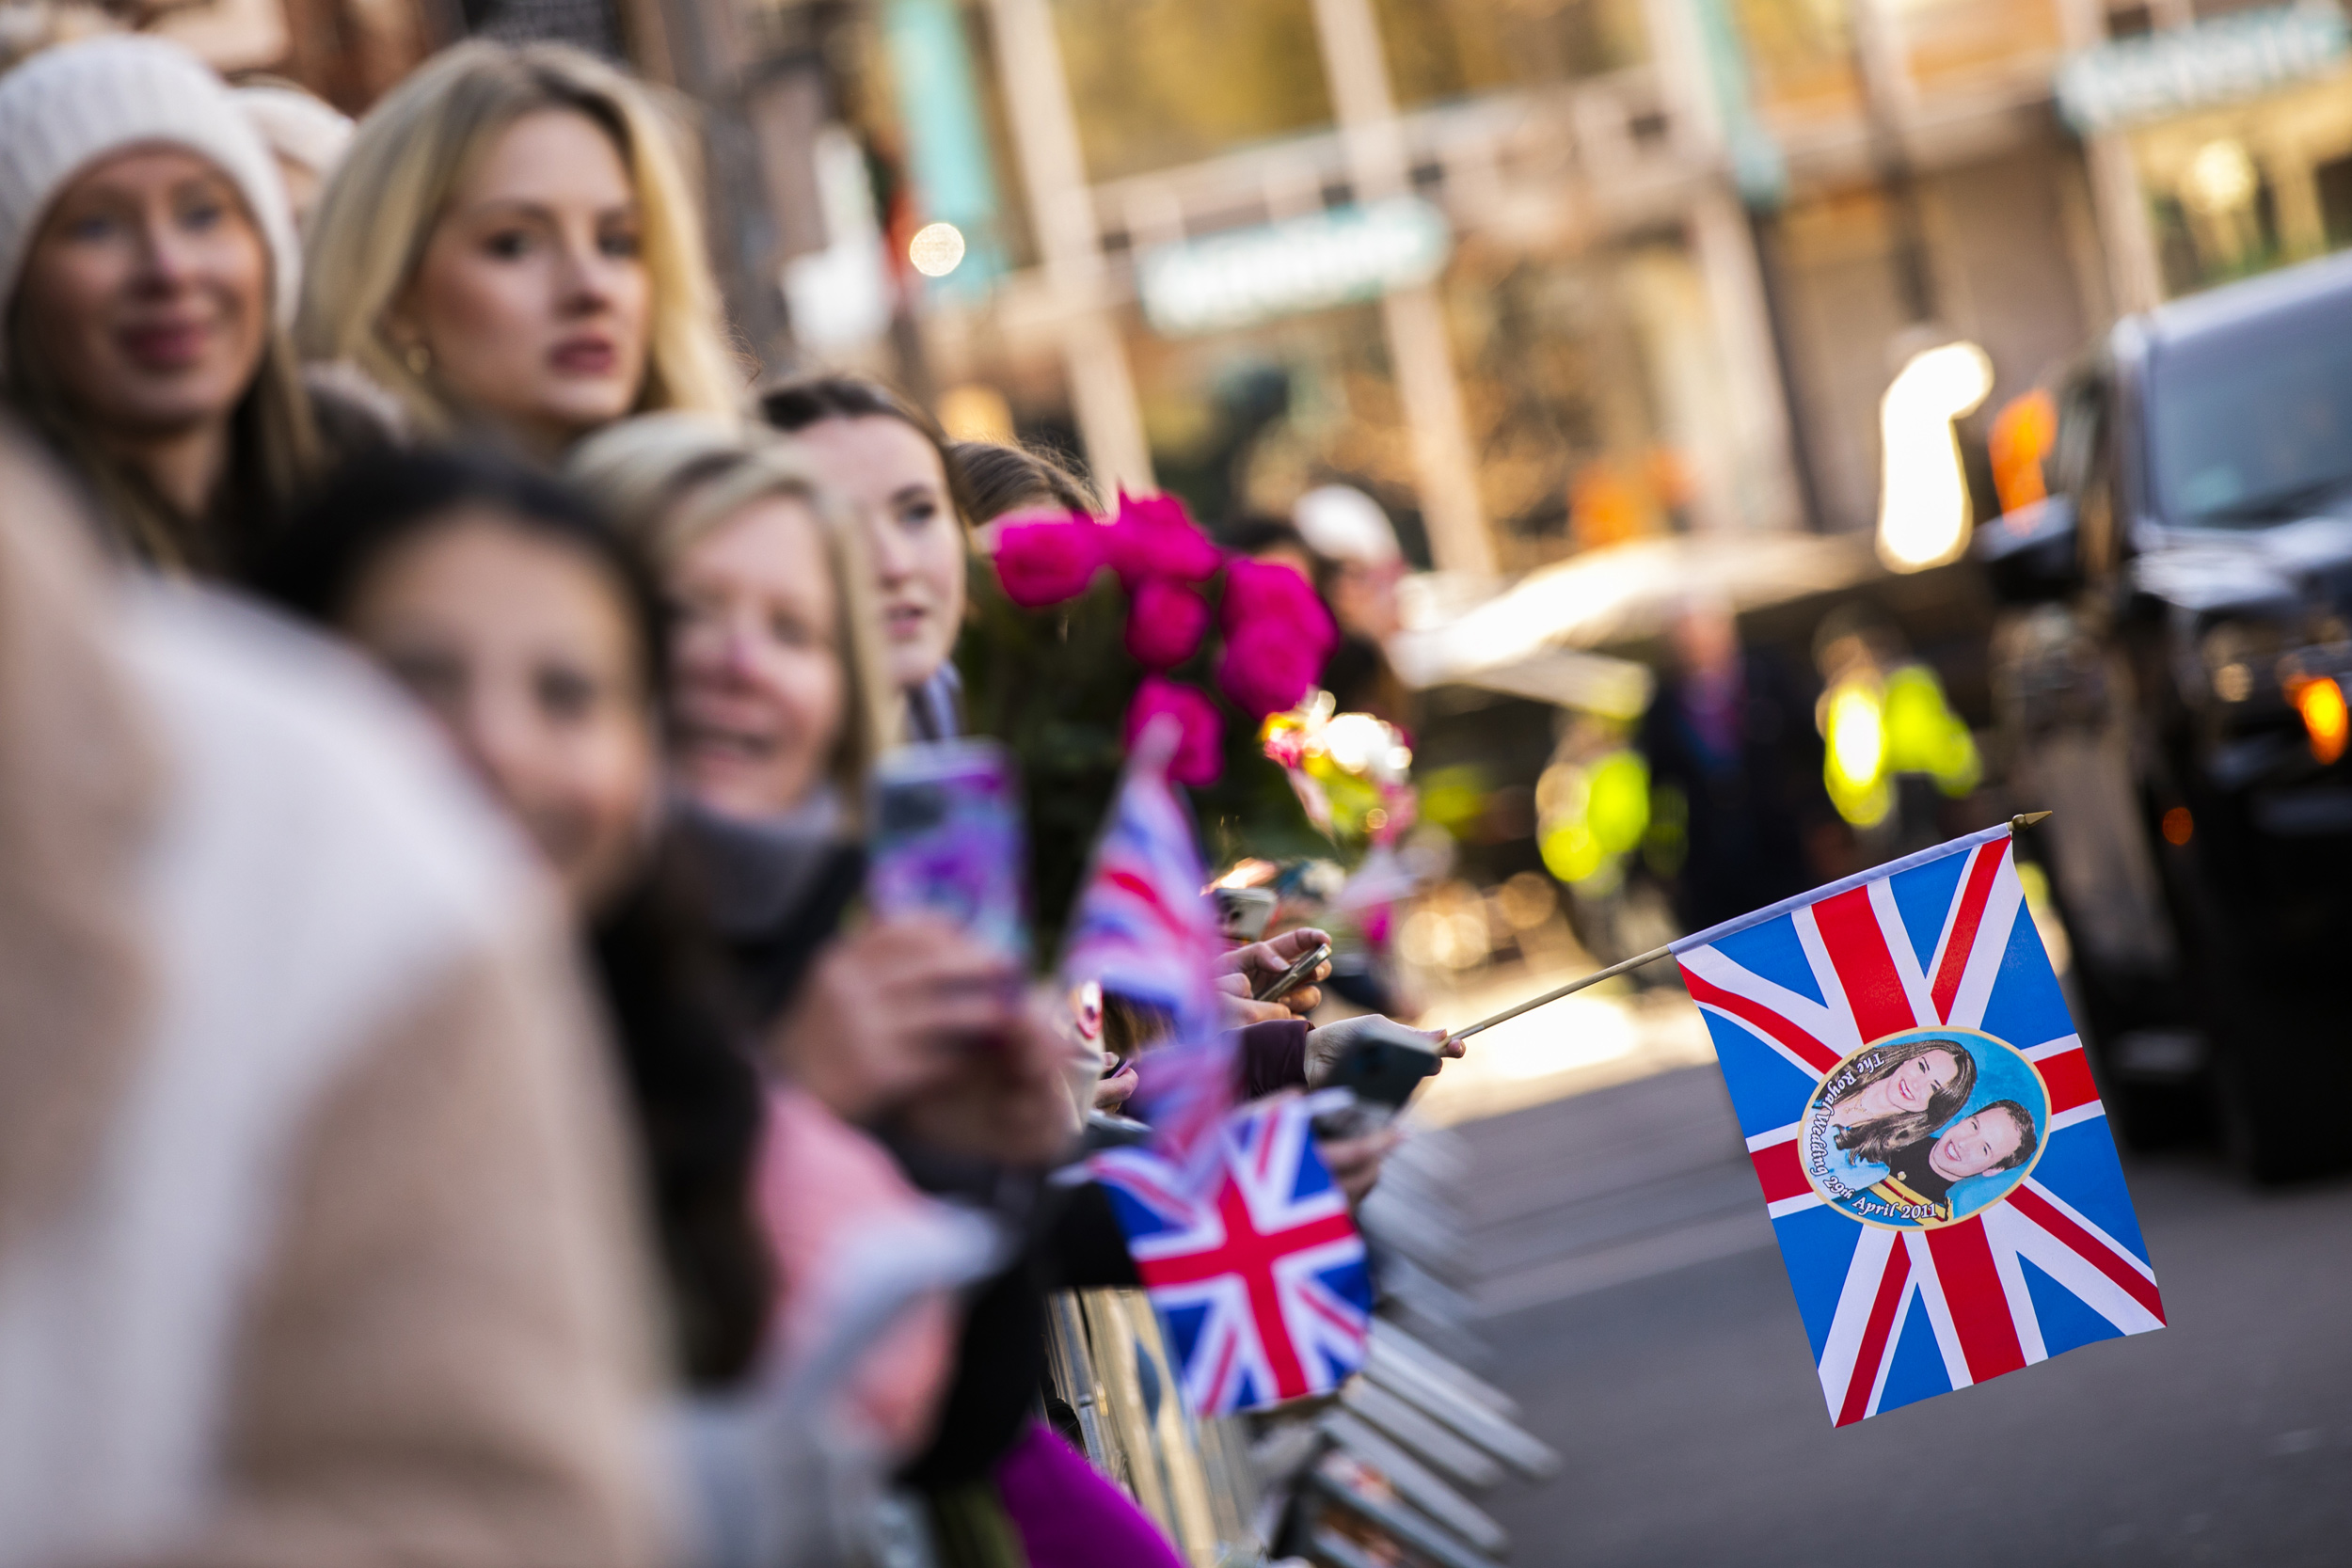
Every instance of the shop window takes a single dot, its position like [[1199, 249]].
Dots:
[[1590, 389], [1467, 47], [1244, 423], [2334, 179], [2201, 241], [1801, 57], [1951, 41], [1162, 82]]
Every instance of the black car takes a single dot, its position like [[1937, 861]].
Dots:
[[2169, 671]]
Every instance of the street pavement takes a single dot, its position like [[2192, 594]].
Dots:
[[1635, 1305]]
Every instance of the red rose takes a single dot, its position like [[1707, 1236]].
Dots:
[[1265, 598], [1165, 624], [1267, 669], [1199, 758], [1044, 563], [1154, 538]]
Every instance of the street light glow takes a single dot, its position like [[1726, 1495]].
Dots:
[[1923, 496], [937, 249]]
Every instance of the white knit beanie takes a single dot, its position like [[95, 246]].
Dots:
[[69, 107]]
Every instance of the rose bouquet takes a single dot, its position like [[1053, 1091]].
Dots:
[[1082, 631]]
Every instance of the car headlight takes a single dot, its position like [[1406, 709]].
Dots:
[[2240, 657]]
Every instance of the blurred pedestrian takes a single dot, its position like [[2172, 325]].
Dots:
[[315, 1244], [1359, 566], [535, 638], [1730, 735], [512, 247], [889, 460], [306, 133], [149, 266]]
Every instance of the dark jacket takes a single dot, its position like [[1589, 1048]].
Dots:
[[1752, 804]]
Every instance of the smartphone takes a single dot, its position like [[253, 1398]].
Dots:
[[1289, 980], [1381, 1069], [947, 836], [1242, 912]]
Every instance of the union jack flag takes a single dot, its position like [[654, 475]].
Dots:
[[1141, 928], [1935, 948], [1262, 1287]]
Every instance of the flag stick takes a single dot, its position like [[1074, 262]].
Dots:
[[2024, 819], [1569, 989]]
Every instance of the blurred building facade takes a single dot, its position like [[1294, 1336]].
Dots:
[[1547, 274], [1539, 274]]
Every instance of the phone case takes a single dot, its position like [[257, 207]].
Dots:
[[948, 836]]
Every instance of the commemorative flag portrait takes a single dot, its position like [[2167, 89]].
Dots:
[[1262, 1287], [1916, 1103]]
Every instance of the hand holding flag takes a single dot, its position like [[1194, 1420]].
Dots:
[[1142, 931], [1241, 1235]]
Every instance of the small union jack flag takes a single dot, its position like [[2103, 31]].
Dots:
[[1142, 929], [1931, 1147], [1262, 1287]]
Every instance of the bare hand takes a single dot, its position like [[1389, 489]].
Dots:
[[1112, 1089], [1004, 1099], [890, 1011], [1354, 1162], [1242, 970]]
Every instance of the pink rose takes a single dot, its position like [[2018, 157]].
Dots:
[[1265, 599], [1154, 538], [1165, 624], [1266, 669], [1199, 758], [1044, 563]]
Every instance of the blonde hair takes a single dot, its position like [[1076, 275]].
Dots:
[[393, 185], [668, 480]]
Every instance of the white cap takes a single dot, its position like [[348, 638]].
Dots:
[[68, 108], [1341, 523], [298, 128]]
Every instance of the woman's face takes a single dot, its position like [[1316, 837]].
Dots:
[[532, 297], [761, 694], [1908, 1088], [524, 650], [892, 474], [146, 293]]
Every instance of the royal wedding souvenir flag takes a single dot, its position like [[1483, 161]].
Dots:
[[1933, 1149], [1141, 928], [1260, 1285]]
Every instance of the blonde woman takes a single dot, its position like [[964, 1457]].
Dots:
[[778, 699], [511, 244]]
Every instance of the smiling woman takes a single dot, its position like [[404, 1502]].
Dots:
[[147, 264], [511, 239], [776, 695]]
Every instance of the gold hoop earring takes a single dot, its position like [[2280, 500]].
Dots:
[[417, 357]]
